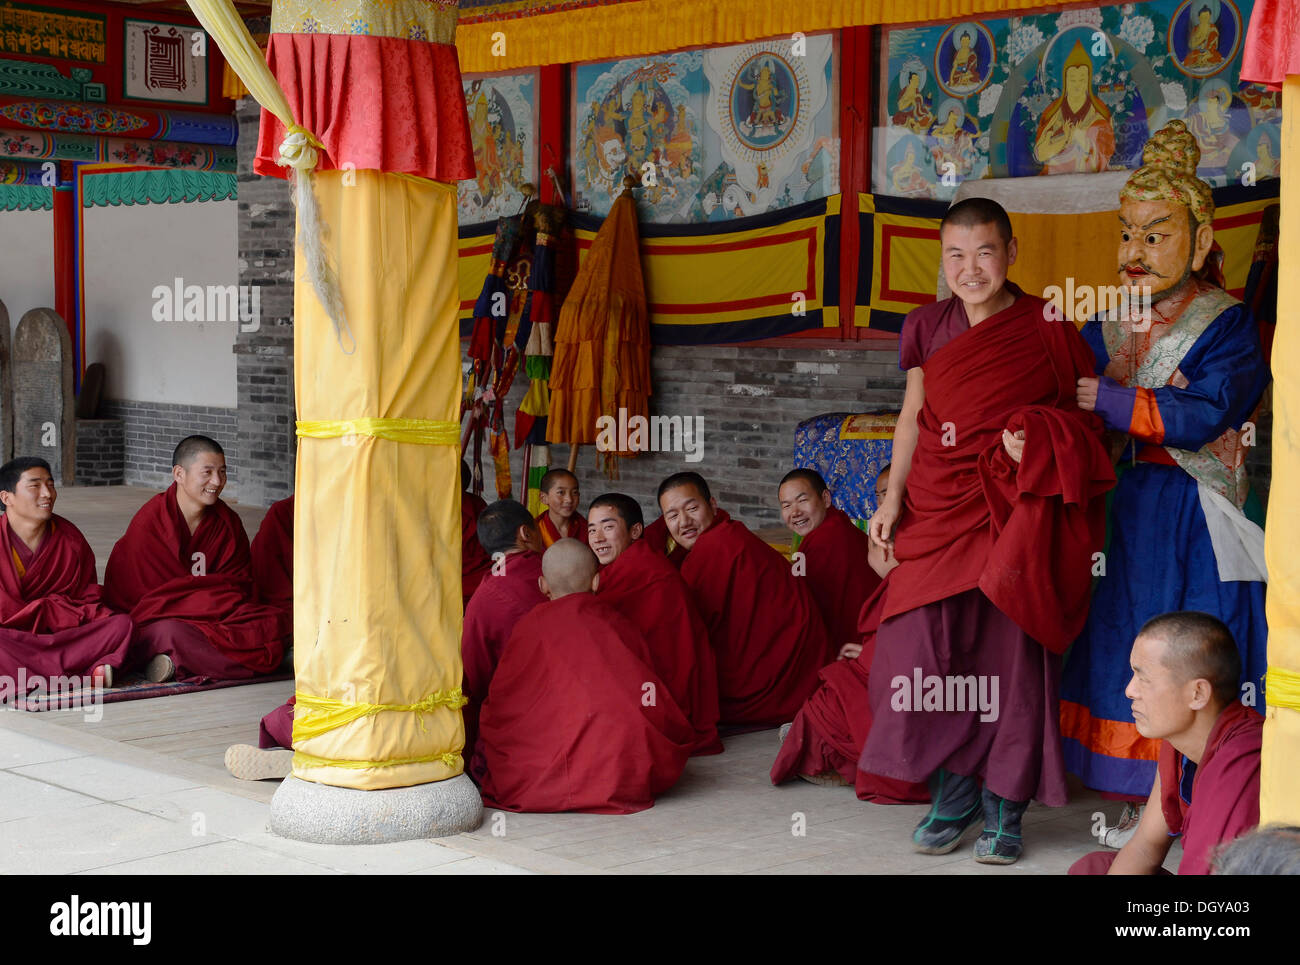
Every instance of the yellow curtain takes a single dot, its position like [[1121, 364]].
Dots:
[[651, 26], [222, 22], [1279, 799]]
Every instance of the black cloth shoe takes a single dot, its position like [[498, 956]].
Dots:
[[955, 807], [1000, 843]]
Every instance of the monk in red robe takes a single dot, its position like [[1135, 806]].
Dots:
[[576, 718], [509, 537], [1184, 693], [558, 491], [184, 572], [52, 624], [835, 554], [647, 589], [474, 563], [768, 638], [996, 479], [823, 742]]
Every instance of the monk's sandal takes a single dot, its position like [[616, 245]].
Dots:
[[1000, 843], [955, 807]]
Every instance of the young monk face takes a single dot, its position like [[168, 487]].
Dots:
[[975, 261], [562, 498], [608, 535], [33, 497], [1164, 704], [802, 509], [687, 514], [203, 479]]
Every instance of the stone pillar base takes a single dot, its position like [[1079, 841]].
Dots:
[[324, 814]]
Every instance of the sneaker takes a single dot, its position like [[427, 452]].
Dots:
[[1000, 842], [101, 678], [955, 807], [249, 763], [826, 779], [160, 669], [1121, 833]]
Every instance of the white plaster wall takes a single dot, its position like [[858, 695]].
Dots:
[[132, 249], [26, 262]]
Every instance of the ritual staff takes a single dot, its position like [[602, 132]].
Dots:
[[558, 491], [474, 562], [768, 638], [834, 552], [824, 741], [52, 624], [996, 479], [508, 535], [183, 571], [576, 718], [1183, 689], [646, 588], [1178, 379]]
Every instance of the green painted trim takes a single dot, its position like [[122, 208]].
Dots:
[[115, 188], [26, 197]]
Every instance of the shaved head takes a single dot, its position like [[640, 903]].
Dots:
[[193, 446], [568, 567], [1198, 647]]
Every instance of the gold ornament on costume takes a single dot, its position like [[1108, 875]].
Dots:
[[1168, 173]]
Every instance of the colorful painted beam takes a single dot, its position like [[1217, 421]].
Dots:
[[104, 121], [34, 145]]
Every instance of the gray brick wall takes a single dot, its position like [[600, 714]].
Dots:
[[152, 429], [101, 452]]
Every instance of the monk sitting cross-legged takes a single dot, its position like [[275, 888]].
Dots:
[[647, 589], [576, 718], [823, 743], [1206, 790], [51, 622], [509, 537], [184, 572], [767, 635]]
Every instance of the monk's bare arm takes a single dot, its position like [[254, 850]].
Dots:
[[1147, 849], [905, 436]]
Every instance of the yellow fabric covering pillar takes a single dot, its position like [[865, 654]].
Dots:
[[377, 610], [1279, 798]]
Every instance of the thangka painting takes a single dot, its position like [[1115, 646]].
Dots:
[[710, 135], [1072, 92], [503, 131]]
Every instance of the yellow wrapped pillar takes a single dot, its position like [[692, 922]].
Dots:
[[1279, 800]]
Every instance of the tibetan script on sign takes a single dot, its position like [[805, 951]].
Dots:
[[40, 31], [165, 62]]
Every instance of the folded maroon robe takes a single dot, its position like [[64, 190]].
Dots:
[[151, 575], [839, 575], [1224, 801], [767, 635], [832, 726], [497, 605], [647, 589], [568, 725], [1022, 533], [272, 555], [51, 621], [474, 561]]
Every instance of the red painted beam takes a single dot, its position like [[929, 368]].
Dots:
[[855, 161]]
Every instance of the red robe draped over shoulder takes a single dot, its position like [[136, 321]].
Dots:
[[551, 534], [51, 620], [151, 575], [1024, 534], [474, 561], [767, 635], [566, 725], [647, 589], [832, 726], [839, 575]]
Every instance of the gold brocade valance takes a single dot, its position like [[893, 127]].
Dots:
[[638, 27]]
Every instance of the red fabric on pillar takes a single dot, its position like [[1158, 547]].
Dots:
[[272, 553], [839, 575], [566, 726], [51, 620], [1272, 43], [767, 635], [376, 103], [647, 589], [150, 575]]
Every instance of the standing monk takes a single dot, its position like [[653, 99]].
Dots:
[[51, 621], [993, 502], [1177, 386], [767, 635], [645, 587], [184, 572]]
